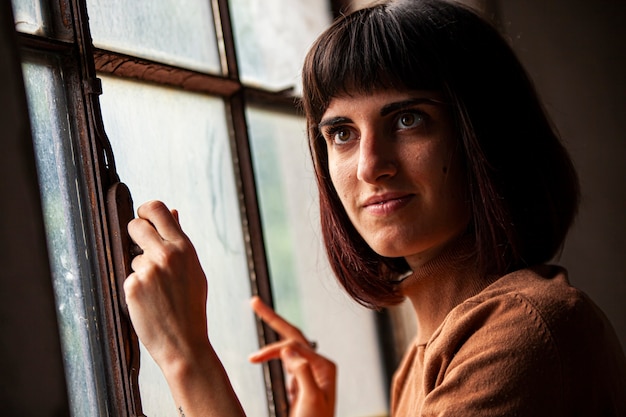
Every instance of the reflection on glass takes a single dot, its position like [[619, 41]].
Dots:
[[272, 37], [176, 32], [305, 290], [69, 252], [29, 16], [173, 146]]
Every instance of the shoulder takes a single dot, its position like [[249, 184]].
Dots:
[[541, 299], [536, 305], [528, 336], [528, 306], [506, 326], [543, 290]]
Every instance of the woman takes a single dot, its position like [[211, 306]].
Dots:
[[442, 181]]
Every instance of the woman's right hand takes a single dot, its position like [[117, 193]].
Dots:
[[167, 291], [313, 377], [166, 296]]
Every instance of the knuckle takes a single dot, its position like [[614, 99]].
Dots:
[[131, 286], [162, 256], [300, 366], [293, 344], [166, 256], [153, 205], [134, 224]]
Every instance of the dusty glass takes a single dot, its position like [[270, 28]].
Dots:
[[66, 230], [272, 37], [176, 32], [30, 17]]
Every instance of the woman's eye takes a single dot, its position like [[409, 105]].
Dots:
[[409, 120], [341, 135]]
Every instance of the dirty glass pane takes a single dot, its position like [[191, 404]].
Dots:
[[176, 32], [66, 230], [29, 17], [173, 146], [305, 290], [272, 37]]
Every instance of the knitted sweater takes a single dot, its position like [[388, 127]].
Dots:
[[528, 344]]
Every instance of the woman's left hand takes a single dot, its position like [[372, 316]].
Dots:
[[313, 384]]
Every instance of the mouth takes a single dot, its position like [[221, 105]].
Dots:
[[382, 199], [387, 203]]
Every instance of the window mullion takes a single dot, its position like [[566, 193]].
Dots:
[[225, 38], [257, 258], [251, 219]]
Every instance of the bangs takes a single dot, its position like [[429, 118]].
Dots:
[[369, 50]]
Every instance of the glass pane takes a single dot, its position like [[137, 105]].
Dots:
[[173, 146], [29, 17], [272, 37], [304, 287], [69, 251], [176, 32]]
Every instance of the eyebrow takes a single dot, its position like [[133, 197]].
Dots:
[[404, 104], [333, 121], [384, 111]]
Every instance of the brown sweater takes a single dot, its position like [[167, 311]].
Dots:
[[528, 344]]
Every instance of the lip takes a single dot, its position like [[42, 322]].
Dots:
[[384, 204]]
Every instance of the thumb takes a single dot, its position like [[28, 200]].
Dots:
[[175, 215]]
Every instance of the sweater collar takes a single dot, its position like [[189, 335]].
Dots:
[[442, 283]]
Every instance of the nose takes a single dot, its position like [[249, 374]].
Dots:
[[377, 159]]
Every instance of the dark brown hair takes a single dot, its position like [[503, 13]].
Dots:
[[522, 187]]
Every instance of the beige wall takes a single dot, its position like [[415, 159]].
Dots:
[[575, 52]]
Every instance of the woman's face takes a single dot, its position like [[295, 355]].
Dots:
[[392, 160]]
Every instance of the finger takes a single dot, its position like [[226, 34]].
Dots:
[[143, 233], [300, 368], [162, 218], [273, 351], [276, 322], [292, 389], [269, 352], [175, 215], [141, 264]]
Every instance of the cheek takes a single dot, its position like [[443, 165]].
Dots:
[[340, 177], [456, 190]]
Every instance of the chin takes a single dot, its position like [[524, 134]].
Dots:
[[417, 250], [390, 251]]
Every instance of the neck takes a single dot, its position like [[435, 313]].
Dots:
[[440, 284]]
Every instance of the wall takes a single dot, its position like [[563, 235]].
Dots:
[[574, 51]]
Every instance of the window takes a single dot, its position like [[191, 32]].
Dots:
[[190, 102]]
